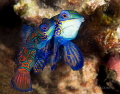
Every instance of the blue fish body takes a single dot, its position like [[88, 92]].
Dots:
[[44, 47], [41, 57], [67, 26]]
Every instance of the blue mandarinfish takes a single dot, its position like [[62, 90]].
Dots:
[[66, 29]]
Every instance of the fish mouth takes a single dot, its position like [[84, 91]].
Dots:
[[82, 19]]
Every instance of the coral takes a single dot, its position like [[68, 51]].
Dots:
[[30, 11], [33, 11], [113, 71], [26, 11], [83, 81], [114, 64]]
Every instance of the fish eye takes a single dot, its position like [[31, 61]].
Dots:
[[44, 28], [64, 16]]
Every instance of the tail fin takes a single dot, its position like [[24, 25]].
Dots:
[[21, 81], [73, 56]]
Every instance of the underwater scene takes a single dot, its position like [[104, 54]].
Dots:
[[59, 47]]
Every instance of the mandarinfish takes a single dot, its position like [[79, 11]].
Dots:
[[34, 39], [67, 26]]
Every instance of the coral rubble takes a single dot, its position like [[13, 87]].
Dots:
[[34, 10]]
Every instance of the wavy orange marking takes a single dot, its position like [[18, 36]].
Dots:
[[26, 65], [30, 60], [23, 70], [32, 52], [34, 35], [24, 50], [22, 58]]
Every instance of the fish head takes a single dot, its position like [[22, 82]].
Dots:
[[47, 27], [69, 15], [70, 23]]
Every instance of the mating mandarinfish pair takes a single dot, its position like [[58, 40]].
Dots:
[[45, 44]]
